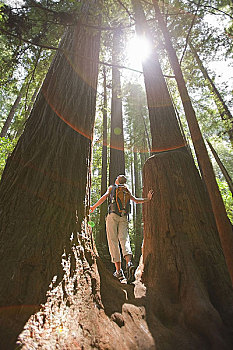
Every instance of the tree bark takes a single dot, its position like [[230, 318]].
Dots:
[[190, 291], [12, 113], [222, 167], [43, 186], [101, 235], [117, 156], [138, 226], [220, 103], [223, 223], [165, 130]]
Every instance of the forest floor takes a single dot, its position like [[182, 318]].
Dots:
[[90, 309]]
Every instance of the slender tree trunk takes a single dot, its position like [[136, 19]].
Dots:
[[43, 187], [138, 228], [29, 109], [146, 134], [12, 113], [222, 167], [220, 103], [223, 223], [101, 236], [117, 157], [133, 193]]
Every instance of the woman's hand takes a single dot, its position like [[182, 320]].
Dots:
[[92, 208], [150, 194]]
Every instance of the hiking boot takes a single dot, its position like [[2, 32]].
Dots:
[[120, 276], [129, 273]]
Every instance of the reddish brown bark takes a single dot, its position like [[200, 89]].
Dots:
[[43, 186], [117, 157], [223, 223], [101, 238], [165, 130], [190, 292]]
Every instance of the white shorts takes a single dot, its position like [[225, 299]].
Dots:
[[117, 231]]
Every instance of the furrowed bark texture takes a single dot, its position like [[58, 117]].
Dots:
[[44, 183], [184, 268], [165, 130], [223, 223], [91, 311], [117, 156]]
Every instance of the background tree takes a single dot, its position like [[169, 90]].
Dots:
[[117, 157]]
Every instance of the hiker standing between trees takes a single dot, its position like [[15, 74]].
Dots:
[[117, 225]]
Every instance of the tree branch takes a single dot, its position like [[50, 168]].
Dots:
[[28, 41], [189, 32], [125, 8], [212, 7], [62, 50]]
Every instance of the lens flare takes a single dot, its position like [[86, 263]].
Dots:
[[138, 50]]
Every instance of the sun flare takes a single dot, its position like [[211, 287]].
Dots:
[[138, 50]]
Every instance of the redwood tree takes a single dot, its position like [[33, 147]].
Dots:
[[101, 239], [187, 281], [43, 186], [223, 223], [224, 111], [117, 156]]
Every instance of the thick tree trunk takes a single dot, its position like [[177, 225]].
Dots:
[[94, 312], [223, 223], [165, 130], [12, 113], [117, 156], [222, 167], [184, 269], [220, 103], [43, 186]]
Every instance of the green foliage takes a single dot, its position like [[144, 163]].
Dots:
[[227, 198], [6, 148]]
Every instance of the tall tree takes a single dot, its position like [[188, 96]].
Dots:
[[223, 223], [170, 138], [117, 157], [101, 238], [180, 241], [28, 110], [222, 167], [44, 182], [12, 112], [220, 103], [138, 226]]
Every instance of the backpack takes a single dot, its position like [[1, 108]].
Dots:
[[119, 200]]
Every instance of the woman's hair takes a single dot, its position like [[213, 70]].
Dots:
[[122, 179]]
